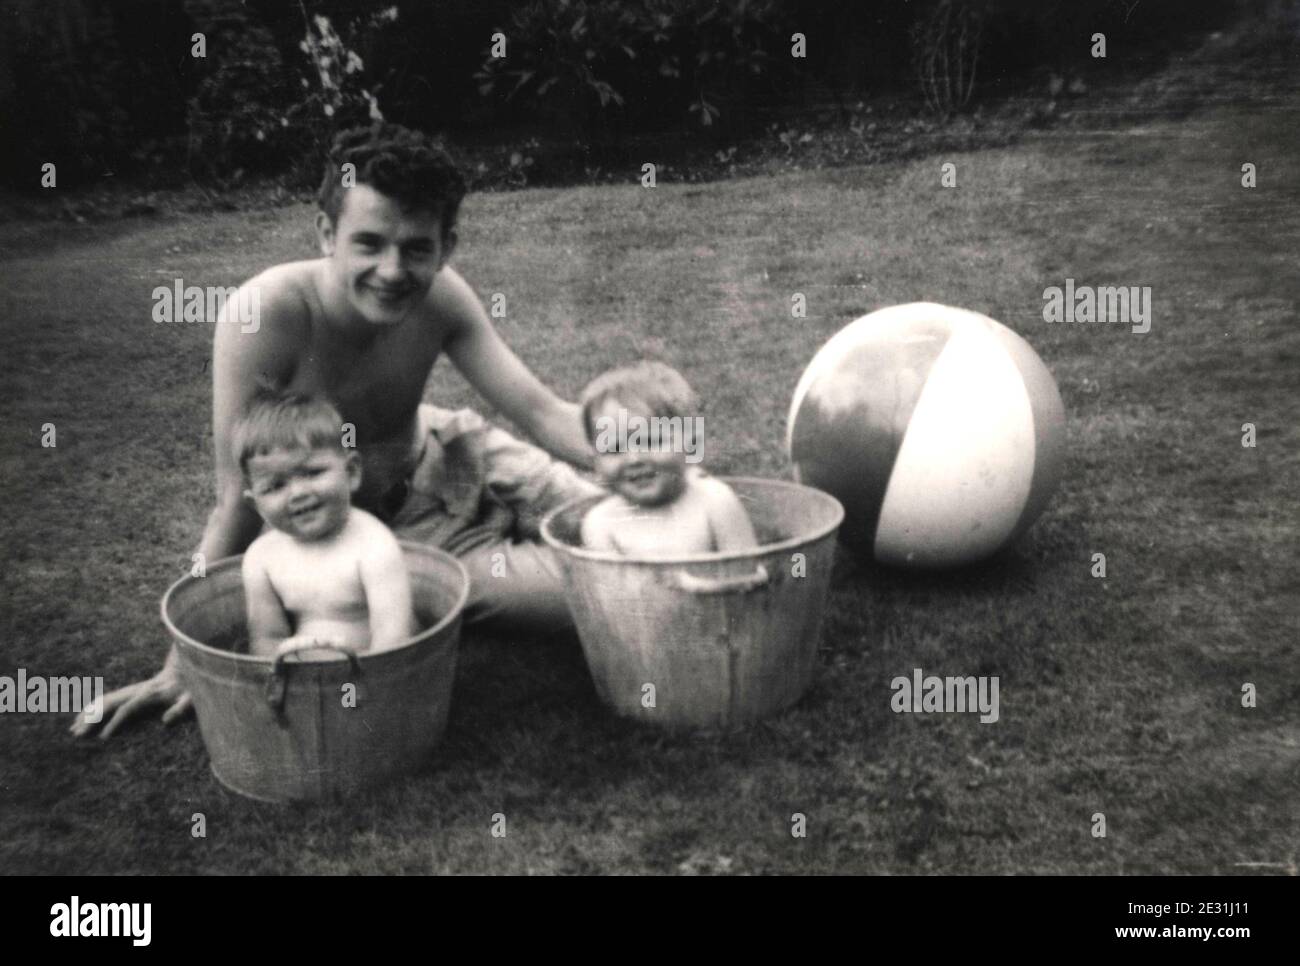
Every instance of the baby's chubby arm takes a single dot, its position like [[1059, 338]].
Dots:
[[732, 529], [387, 587], [598, 529], [268, 624]]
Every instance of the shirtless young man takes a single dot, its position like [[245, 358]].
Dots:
[[362, 326]]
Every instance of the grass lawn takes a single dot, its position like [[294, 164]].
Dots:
[[1119, 696]]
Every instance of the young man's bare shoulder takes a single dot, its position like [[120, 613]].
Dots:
[[283, 296], [287, 291], [451, 299]]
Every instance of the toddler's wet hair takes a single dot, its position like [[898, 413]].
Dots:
[[646, 388], [276, 420]]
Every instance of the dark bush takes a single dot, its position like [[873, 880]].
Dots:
[[63, 94], [100, 86], [238, 118], [946, 38], [263, 111], [337, 91], [596, 63]]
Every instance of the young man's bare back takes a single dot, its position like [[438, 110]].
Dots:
[[363, 326]]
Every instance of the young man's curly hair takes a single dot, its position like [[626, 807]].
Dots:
[[405, 165]]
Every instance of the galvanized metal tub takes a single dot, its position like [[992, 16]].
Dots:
[[721, 639], [279, 729]]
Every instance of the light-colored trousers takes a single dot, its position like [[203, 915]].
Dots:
[[479, 493]]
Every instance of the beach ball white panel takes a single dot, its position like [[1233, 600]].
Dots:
[[965, 466]]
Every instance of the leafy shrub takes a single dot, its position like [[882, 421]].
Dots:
[[945, 52], [559, 54], [66, 84], [237, 117], [336, 93], [590, 59], [254, 112], [715, 49]]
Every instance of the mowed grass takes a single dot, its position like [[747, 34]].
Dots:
[[1120, 696]]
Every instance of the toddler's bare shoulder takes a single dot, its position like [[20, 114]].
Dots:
[[260, 546], [371, 534], [598, 522], [714, 489], [604, 507], [264, 551]]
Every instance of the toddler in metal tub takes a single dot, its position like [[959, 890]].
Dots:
[[324, 572], [643, 424]]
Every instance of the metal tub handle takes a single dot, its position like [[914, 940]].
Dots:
[[739, 584], [277, 683]]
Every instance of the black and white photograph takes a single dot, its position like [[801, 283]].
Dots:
[[651, 438]]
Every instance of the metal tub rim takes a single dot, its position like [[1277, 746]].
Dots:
[[716, 556], [229, 563]]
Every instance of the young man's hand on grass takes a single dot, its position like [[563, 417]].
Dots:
[[164, 688]]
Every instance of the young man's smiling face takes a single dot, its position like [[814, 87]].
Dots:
[[305, 493], [384, 257]]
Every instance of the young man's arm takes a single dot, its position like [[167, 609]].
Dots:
[[240, 357], [499, 376], [240, 360]]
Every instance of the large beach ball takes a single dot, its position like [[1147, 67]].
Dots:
[[939, 429]]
